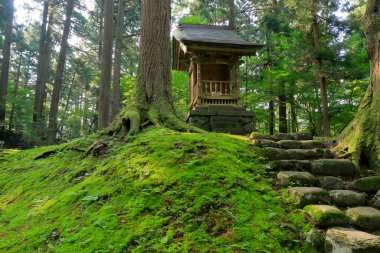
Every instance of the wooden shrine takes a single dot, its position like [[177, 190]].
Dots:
[[212, 56]]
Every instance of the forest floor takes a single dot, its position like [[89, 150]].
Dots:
[[157, 191]]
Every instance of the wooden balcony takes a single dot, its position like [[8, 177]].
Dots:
[[214, 93]]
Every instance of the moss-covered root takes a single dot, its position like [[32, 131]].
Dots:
[[126, 123], [161, 113]]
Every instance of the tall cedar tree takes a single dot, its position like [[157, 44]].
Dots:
[[117, 61], [106, 69], [153, 93], [53, 114], [41, 65], [5, 63], [361, 139]]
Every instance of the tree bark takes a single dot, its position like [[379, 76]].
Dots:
[[271, 117], [106, 69], [5, 63], [231, 14], [53, 114], [15, 90], [42, 64], [117, 61], [283, 124], [321, 75], [361, 139]]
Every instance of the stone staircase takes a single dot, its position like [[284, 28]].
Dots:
[[343, 206]]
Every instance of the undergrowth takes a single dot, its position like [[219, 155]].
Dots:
[[158, 191]]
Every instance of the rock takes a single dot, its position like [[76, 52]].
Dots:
[[289, 144], [283, 136], [291, 165], [312, 144], [303, 136], [331, 167], [296, 178], [331, 183], [301, 154], [341, 240], [324, 216], [263, 143], [376, 200], [364, 217], [316, 237], [256, 136], [347, 198], [303, 196], [273, 153], [366, 184]]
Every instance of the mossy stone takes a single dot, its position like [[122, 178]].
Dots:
[[324, 216], [296, 178], [331, 183], [333, 167], [364, 217], [366, 184], [290, 165], [273, 153], [301, 154], [290, 144], [347, 198], [303, 196], [312, 144]]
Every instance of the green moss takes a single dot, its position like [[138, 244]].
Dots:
[[158, 191], [326, 216], [367, 184]]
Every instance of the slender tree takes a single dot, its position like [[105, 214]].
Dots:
[[106, 69], [115, 108], [42, 64], [53, 114], [231, 14], [5, 62], [361, 139]]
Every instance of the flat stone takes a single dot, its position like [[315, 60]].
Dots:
[[311, 144], [364, 217], [347, 198], [263, 143], [333, 167], [331, 183], [303, 196], [325, 216], [376, 200], [316, 237], [301, 154], [290, 144], [290, 165], [341, 240], [303, 136], [366, 184], [296, 178], [283, 136], [273, 153], [256, 136]]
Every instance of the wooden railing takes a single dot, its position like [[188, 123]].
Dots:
[[215, 88]]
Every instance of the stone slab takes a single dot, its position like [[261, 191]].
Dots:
[[303, 196], [330, 182], [333, 167], [312, 144], [325, 216], [366, 184], [296, 178], [291, 165], [346, 198], [364, 217], [290, 144]]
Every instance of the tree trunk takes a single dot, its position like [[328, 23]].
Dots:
[[271, 117], [5, 63], [321, 75], [117, 61], [283, 124], [106, 69], [15, 90], [42, 64], [361, 139], [293, 113], [153, 96], [231, 14], [53, 114]]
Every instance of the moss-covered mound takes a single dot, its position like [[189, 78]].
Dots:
[[159, 191]]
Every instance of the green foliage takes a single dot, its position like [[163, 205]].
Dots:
[[160, 191], [193, 20]]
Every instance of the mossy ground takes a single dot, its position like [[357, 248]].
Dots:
[[158, 191]]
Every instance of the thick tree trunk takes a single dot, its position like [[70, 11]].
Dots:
[[283, 124], [15, 90], [53, 114], [231, 14], [361, 139], [117, 61], [106, 69], [5, 62], [42, 64], [271, 117], [321, 75]]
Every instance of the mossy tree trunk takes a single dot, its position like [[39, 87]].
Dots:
[[153, 93], [361, 139]]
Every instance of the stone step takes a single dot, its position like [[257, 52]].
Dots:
[[290, 165], [331, 183], [303, 196], [296, 178], [282, 136], [333, 167], [291, 144], [294, 154], [366, 184], [375, 202], [346, 198], [325, 216], [236, 131], [343, 240], [263, 143], [364, 217]]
